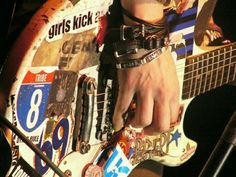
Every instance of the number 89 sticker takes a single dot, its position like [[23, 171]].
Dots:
[[32, 99]]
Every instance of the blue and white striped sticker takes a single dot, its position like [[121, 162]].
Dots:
[[117, 164]]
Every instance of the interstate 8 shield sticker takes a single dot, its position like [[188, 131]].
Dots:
[[32, 101]]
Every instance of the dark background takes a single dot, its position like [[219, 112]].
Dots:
[[224, 16], [207, 115]]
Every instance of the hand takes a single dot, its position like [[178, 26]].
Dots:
[[183, 5], [156, 87]]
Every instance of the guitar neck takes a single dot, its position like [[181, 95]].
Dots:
[[209, 70]]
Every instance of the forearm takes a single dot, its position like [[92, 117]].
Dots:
[[148, 10]]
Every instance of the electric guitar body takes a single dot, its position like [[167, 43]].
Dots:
[[62, 98]]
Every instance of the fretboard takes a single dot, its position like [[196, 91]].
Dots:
[[209, 70]]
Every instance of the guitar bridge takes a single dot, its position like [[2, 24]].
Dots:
[[84, 114]]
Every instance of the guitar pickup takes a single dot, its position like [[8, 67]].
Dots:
[[84, 114]]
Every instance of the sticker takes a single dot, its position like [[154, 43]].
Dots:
[[32, 99], [54, 146], [77, 22], [23, 169], [62, 93], [116, 165]]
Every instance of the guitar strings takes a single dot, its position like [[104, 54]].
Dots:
[[200, 69], [209, 71], [209, 85], [198, 83], [198, 88], [181, 66], [100, 102], [102, 109]]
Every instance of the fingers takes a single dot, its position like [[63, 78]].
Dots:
[[165, 113], [174, 108], [144, 112], [161, 118], [157, 96], [125, 96], [184, 5], [154, 116]]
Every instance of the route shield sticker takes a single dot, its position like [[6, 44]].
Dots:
[[32, 101]]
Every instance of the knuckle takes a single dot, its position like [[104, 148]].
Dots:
[[161, 128], [145, 122]]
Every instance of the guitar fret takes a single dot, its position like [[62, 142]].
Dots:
[[216, 65], [210, 68], [226, 78], [222, 64], [234, 73], [219, 78], [203, 75], [209, 73], [196, 77], [234, 57], [187, 79], [228, 56], [191, 90], [199, 77], [205, 72]]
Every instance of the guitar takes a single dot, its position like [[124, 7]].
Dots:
[[60, 101]]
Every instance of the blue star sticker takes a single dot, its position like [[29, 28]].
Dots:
[[175, 136]]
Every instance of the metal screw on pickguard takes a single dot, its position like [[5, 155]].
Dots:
[[85, 147], [68, 173]]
